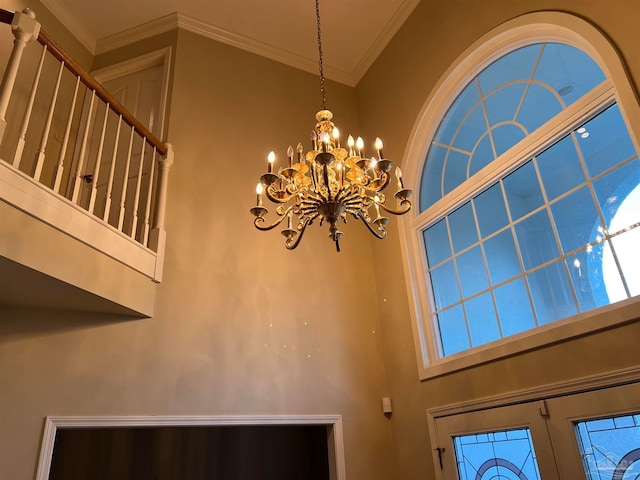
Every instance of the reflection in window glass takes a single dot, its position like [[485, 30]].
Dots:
[[540, 104], [453, 337], [571, 215], [556, 236], [560, 168], [502, 257], [491, 211], [605, 142], [544, 257], [610, 447], [514, 308], [535, 237], [505, 455], [473, 278], [551, 293], [483, 323], [463, 228], [523, 191], [508, 100]]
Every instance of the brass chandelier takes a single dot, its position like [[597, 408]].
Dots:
[[328, 182]]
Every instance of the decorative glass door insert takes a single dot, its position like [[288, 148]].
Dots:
[[503, 455], [610, 447]]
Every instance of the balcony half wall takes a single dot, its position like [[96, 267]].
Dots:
[[54, 254]]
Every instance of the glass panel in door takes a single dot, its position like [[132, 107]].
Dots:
[[610, 447], [504, 455], [503, 443]]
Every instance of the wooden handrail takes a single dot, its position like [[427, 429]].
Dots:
[[6, 16], [101, 92]]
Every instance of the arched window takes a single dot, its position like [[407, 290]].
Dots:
[[529, 192]]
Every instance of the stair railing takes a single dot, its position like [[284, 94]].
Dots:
[[78, 140]]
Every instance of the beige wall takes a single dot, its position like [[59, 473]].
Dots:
[[52, 26], [242, 326], [389, 99], [22, 90]]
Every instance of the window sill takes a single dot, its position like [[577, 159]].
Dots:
[[604, 318]]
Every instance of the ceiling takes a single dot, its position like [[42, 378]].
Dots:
[[354, 32]]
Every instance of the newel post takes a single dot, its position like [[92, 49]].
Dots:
[[158, 235], [25, 28]]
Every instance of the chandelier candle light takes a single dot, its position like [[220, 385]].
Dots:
[[329, 182]]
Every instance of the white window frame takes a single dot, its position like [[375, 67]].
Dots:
[[525, 30]]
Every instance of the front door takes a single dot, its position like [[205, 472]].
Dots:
[[592, 436]]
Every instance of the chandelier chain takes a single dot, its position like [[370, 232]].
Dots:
[[324, 98]]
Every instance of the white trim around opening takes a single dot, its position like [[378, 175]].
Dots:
[[335, 440]]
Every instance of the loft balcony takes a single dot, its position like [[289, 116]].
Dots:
[[82, 186]]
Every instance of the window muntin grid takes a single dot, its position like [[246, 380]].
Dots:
[[507, 101], [529, 249]]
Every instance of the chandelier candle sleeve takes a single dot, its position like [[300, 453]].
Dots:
[[336, 135], [350, 143], [290, 155], [271, 158], [378, 145], [300, 150], [259, 190], [399, 177], [376, 199]]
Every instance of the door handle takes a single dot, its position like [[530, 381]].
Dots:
[[440, 451]]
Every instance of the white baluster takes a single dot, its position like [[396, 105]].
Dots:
[[147, 212], [112, 169], [27, 114], [65, 141], [47, 127], [96, 168], [25, 28], [125, 183], [136, 199], [83, 148]]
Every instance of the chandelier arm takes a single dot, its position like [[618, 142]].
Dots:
[[289, 244], [352, 200], [259, 220], [405, 204], [386, 181], [275, 199], [372, 230], [379, 188]]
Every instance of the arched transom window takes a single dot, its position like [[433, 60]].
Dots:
[[529, 200]]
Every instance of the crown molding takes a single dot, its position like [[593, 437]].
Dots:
[[387, 33], [263, 49], [135, 34], [191, 24], [69, 20]]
